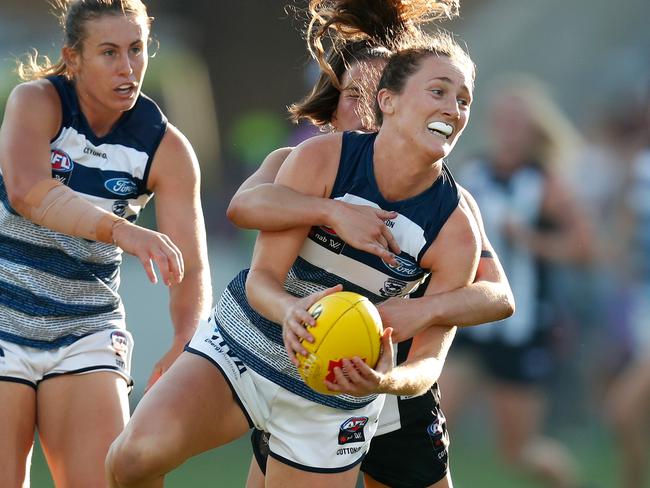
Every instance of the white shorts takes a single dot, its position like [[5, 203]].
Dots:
[[108, 350], [304, 434]]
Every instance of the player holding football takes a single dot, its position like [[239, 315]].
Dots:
[[423, 107], [412, 426], [410, 448]]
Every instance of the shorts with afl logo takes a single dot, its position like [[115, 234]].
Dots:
[[107, 350], [304, 434], [413, 456]]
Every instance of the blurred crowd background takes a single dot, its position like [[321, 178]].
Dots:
[[224, 73]]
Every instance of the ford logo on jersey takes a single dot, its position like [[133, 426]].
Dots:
[[120, 186], [61, 162], [404, 267]]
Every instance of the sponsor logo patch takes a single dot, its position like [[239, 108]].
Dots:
[[119, 342], [121, 186], [61, 162], [352, 430], [219, 345], [392, 287], [119, 207], [94, 152], [439, 437], [327, 238], [404, 268]]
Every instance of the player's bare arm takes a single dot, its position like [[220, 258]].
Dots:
[[452, 260], [487, 299], [175, 179], [260, 204], [25, 156], [275, 252]]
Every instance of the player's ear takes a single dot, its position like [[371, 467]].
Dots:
[[71, 58], [386, 101]]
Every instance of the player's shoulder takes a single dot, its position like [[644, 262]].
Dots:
[[34, 106], [37, 94], [319, 152], [323, 144], [174, 158], [279, 154]]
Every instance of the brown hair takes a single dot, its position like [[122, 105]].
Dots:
[[358, 30], [407, 59], [73, 16]]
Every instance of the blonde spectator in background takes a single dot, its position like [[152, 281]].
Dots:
[[533, 219]]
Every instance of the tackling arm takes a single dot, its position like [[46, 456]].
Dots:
[[487, 299]]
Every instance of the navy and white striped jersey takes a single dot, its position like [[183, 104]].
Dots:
[[55, 288], [326, 260]]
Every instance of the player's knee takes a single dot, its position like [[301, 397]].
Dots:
[[131, 459]]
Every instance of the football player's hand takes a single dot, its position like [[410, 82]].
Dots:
[[151, 247], [356, 378], [363, 227], [297, 320]]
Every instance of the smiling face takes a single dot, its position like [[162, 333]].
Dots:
[[433, 108], [110, 65]]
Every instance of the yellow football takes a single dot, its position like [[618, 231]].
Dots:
[[347, 325]]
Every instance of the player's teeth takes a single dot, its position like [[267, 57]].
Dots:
[[441, 127]]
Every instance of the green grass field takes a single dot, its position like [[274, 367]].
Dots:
[[474, 464]]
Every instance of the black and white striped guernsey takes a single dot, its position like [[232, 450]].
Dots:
[[325, 260], [56, 288]]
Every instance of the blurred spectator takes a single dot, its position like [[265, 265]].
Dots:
[[627, 404], [534, 222]]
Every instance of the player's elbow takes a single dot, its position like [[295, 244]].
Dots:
[[236, 211], [507, 305], [417, 389], [17, 195]]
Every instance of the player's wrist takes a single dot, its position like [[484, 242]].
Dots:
[[328, 212], [117, 227]]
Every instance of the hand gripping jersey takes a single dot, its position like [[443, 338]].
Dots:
[[326, 260], [56, 288]]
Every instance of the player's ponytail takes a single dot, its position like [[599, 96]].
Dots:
[[378, 22]]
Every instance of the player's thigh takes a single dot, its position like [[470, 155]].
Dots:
[[519, 411], [79, 416], [629, 399], [18, 414], [190, 409], [255, 477], [281, 475]]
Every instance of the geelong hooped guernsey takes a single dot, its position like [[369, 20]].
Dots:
[[326, 260], [54, 288]]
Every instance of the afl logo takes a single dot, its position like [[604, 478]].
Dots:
[[404, 267], [119, 342], [61, 161], [120, 186]]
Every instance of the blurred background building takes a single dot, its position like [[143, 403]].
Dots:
[[224, 73]]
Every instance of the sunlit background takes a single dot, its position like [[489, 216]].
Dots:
[[224, 72]]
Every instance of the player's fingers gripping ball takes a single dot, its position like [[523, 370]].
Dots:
[[347, 325]]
